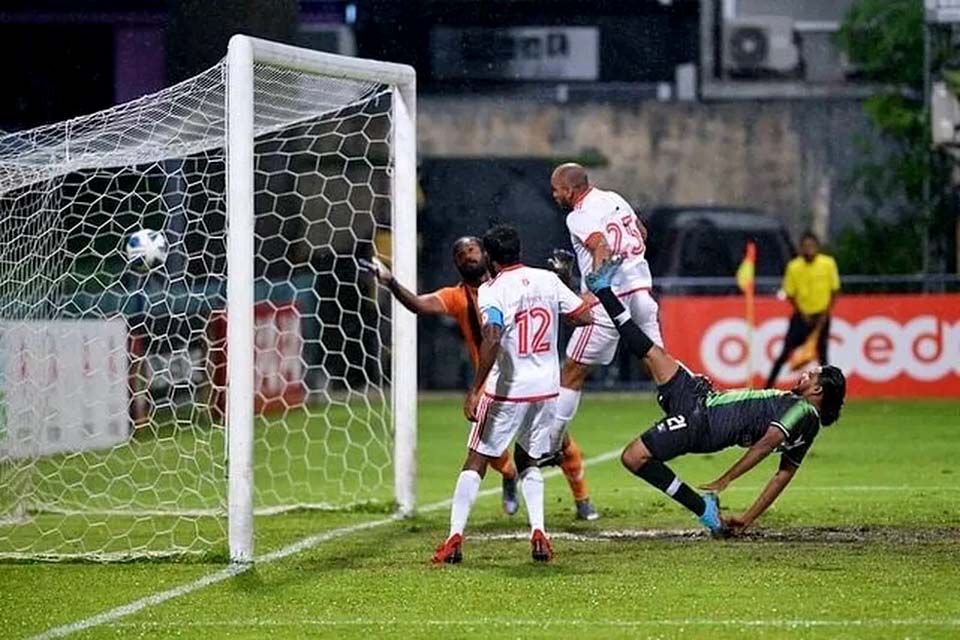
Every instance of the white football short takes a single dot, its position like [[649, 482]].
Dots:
[[597, 343], [499, 421]]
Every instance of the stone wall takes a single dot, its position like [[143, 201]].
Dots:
[[789, 158]]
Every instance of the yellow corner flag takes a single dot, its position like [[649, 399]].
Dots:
[[747, 270]]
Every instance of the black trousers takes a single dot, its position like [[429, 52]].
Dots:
[[797, 333]]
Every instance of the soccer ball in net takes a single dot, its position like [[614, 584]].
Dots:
[[146, 250]]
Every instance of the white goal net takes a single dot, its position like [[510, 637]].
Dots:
[[134, 405]]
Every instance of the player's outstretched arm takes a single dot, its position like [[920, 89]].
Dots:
[[489, 348], [760, 450], [428, 304], [770, 493]]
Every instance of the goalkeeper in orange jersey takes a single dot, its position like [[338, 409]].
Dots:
[[460, 302]]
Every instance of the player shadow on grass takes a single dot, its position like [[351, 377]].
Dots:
[[248, 582], [352, 552]]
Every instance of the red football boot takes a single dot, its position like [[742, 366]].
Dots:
[[542, 552], [449, 551]]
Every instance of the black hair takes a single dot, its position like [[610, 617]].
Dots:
[[834, 387], [459, 242], [810, 235], [502, 244]]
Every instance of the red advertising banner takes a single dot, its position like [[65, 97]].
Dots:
[[278, 357], [887, 345]]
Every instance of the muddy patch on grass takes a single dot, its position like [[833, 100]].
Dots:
[[834, 535], [891, 535]]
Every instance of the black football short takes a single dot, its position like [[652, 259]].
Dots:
[[684, 429], [681, 394]]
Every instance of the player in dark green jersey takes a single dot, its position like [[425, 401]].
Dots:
[[699, 420]]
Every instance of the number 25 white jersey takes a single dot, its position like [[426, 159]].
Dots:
[[528, 303], [608, 214]]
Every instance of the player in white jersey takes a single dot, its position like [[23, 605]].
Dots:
[[518, 379], [601, 224]]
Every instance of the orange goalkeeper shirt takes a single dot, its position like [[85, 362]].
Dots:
[[460, 302]]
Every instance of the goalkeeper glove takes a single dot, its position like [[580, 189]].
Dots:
[[377, 268], [561, 262]]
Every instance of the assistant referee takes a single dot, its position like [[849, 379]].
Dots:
[[812, 284]]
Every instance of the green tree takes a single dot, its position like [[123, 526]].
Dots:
[[885, 38]]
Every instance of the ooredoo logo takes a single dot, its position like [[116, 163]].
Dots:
[[877, 348]]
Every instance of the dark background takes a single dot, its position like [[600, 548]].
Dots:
[[641, 42]]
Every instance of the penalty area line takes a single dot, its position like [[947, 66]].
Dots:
[[309, 542]]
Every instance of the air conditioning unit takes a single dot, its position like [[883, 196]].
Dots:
[[760, 46]]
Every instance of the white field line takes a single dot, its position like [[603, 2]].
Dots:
[[573, 622], [58, 558], [309, 542], [193, 513], [597, 536]]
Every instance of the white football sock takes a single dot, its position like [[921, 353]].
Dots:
[[465, 494], [531, 486], [567, 403]]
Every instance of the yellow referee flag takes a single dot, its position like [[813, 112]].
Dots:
[[746, 272]]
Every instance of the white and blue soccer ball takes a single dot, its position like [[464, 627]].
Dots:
[[146, 250]]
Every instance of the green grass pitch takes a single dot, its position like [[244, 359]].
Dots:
[[865, 544]]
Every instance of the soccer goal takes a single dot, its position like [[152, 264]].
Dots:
[[256, 371]]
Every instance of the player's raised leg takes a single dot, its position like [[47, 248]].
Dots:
[[677, 433], [673, 433]]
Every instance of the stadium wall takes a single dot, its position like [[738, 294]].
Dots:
[[790, 158]]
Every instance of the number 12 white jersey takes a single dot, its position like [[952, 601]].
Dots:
[[528, 304], [606, 213]]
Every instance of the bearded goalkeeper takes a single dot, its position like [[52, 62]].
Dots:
[[699, 420]]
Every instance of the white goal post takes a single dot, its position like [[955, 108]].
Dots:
[[258, 370], [243, 53]]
